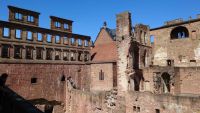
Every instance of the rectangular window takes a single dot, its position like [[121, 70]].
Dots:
[[72, 41], [72, 56], [30, 18], [17, 52], [66, 40], [18, 34], [29, 53], [39, 37], [101, 75], [49, 54], [49, 38], [86, 43], [57, 24], [39, 53], [6, 32], [5, 51], [57, 56], [18, 16], [29, 35], [65, 56], [33, 80], [57, 39], [66, 26], [152, 39], [134, 108], [79, 42], [157, 111]]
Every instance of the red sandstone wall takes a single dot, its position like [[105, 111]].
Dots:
[[49, 84]]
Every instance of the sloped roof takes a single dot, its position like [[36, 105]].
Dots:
[[112, 33]]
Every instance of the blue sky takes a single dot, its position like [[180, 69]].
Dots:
[[89, 15]]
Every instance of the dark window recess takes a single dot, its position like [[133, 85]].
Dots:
[[6, 32], [65, 56], [169, 62], [33, 80], [29, 53], [134, 108], [138, 109], [39, 54], [179, 32], [30, 18], [101, 75], [5, 51], [17, 52], [18, 16], [57, 56], [192, 60], [49, 54], [157, 110], [62, 78]]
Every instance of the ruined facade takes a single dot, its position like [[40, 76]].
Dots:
[[130, 69]]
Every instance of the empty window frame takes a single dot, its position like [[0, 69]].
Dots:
[[39, 53], [17, 52], [29, 53], [57, 39], [5, 53], [79, 42], [66, 26], [30, 18], [101, 75], [18, 16], [57, 24], [29, 35], [152, 38], [49, 38], [179, 32], [6, 32], [49, 54], [72, 41], [65, 55], [39, 37], [33, 80], [157, 110], [80, 56], [66, 40], [18, 34], [57, 55], [86, 57], [62, 78], [72, 56], [86, 44]]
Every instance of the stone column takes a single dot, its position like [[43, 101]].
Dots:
[[53, 54], [23, 50], [12, 33], [76, 42], [83, 43], [76, 56], [24, 35], [44, 38], [69, 55], [11, 52], [34, 36], [61, 55], [34, 54], [53, 39]]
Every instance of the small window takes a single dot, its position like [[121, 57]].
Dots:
[[157, 110], [39, 53], [6, 32], [66, 26], [101, 75], [57, 24], [57, 55], [138, 109], [79, 42], [29, 53], [86, 43], [17, 52], [57, 39], [62, 78], [152, 39], [49, 54], [29, 35], [33, 80], [18, 16], [192, 60], [18, 34], [66, 41], [72, 41], [5, 51], [134, 108], [39, 37], [49, 38], [30, 18]]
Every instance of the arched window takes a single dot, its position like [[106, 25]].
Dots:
[[165, 82], [179, 32]]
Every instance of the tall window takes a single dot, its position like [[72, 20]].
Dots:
[[79, 42], [39, 53], [66, 40], [57, 39], [65, 56], [66, 26], [29, 53], [101, 75], [57, 56], [17, 52], [18, 16], [29, 35], [30, 18], [6, 32], [86, 43], [57, 24], [18, 34], [5, 51], [72, 41], [39, 37], [49, 54], [49, 38], [152, 38]]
